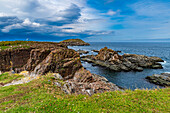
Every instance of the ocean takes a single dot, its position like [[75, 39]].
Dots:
[[130, 80]]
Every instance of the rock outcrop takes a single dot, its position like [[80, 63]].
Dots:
[[59, 60], [14, 58], [82, 52], [74, 42], [162, 79], [85, 82], [127, 62], [42, 58]]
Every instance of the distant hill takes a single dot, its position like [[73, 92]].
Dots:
[[74, 42]]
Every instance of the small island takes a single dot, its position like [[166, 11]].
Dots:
[[74, 42]]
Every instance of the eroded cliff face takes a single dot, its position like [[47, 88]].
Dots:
[[13, 58], [41, 59], [57, 60]]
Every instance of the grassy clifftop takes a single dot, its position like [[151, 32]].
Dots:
[[41, 95], [74, 42], [24, 44]]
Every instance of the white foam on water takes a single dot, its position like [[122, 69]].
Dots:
[[167, 72], [163, 62]]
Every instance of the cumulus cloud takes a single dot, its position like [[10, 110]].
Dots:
[[25, 24], [52, 17]]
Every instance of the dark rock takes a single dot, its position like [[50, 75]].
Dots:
[[64, 63], [82, 52], [162, 79], [127, 62], [97, 51], [86, 83]]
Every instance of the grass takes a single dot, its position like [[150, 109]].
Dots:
[[8, 43], [41, 95], [73, 40], [14, 44], [7, 77], [21, 44]]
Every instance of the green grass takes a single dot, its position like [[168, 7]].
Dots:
[[41, 95], [7, 78], [8, 43], [14, 44], [4, 47]]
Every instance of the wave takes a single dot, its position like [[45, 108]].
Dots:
[[163, 62]]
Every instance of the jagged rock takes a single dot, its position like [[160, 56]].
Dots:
[[74, 42], [42, 58], [62, 60], [58, 76], [82, 52], [87, 83], [97, 51], [160, 79], [127, 62], [13, 58]]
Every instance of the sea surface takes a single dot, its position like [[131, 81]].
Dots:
[[130, 80]]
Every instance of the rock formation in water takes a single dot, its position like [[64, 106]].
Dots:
[[42, 58], [111, 59], [162, 79], [82, 52], [74, 42]]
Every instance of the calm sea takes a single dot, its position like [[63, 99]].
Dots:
[[130, 80]]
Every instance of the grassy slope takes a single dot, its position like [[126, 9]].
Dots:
[[20, 44], [42, 96], [7, 78], [14, 44]]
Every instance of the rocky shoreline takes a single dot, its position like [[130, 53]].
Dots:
[[112, 60], [45, 58], [162, 79]]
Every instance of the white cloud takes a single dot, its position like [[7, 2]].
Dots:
[[26, 23], [55, 10], [3, 14], [111, 12], [14, 26]]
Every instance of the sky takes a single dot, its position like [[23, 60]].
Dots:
[[90, 20]]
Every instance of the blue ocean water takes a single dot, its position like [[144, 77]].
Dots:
[[130, 80]]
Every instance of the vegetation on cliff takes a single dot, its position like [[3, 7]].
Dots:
[[74, 42], [41, 95], [23, 44]]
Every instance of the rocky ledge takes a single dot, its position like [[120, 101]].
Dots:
[[85, 82], [162, 79], [112, 60], [74, 42], [82, 52], [53, 58]]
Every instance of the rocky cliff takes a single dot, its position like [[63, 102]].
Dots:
[[111, 59], [43, 58], [74, 42], [14, 58]]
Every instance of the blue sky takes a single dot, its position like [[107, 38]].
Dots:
[[90, 20]]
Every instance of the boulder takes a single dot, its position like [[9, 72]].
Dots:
[[160, 79]]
